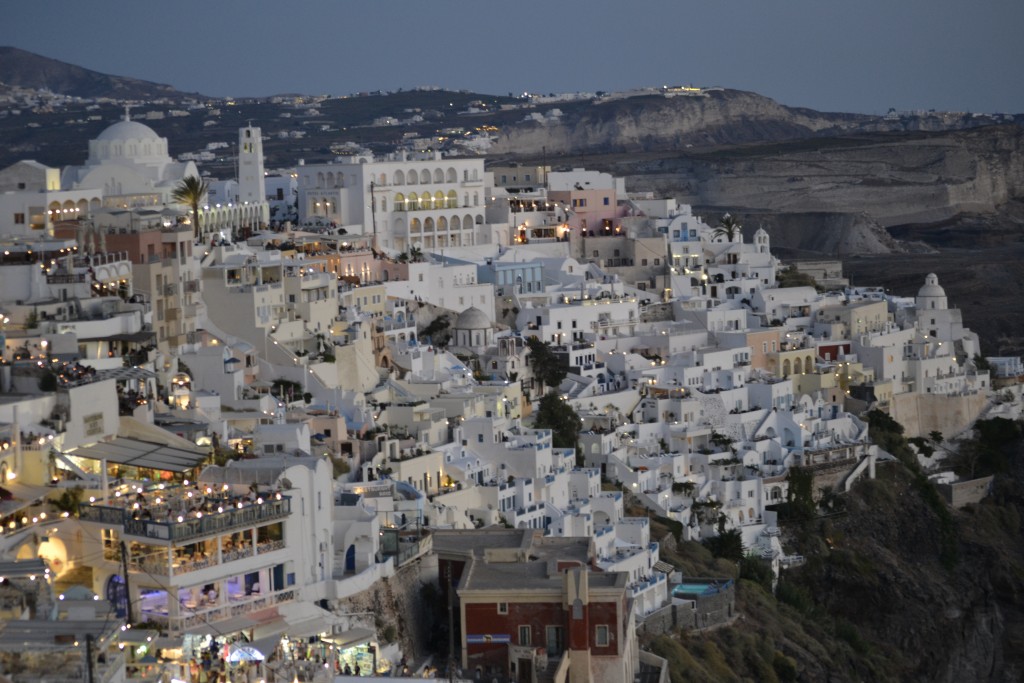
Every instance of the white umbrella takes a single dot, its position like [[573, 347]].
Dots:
[[244, 653]]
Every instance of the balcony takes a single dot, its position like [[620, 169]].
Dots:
[[191, 286], [172, 314], [190, 527], [211, 615], [162, 564], [170, 289], [65, 279]]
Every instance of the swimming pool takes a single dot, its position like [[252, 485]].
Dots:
[[696, 588]]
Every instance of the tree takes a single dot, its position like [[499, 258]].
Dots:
[[800, 494], [546, 365], [728, 227], [192, 190], [557, 415], [727, 544], [415, 254]]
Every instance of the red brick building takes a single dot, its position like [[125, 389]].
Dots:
[[532, 607]]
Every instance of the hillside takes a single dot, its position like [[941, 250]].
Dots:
[[897, 587], [28, 70]]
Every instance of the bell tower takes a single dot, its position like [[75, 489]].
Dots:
[[252, 187]]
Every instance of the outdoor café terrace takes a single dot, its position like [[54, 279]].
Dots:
[[187, 512]]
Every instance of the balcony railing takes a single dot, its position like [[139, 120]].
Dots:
[[65, 279], [212, 615], [191, 527], [170, 289]]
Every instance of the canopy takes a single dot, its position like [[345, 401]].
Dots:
[[137, 453]]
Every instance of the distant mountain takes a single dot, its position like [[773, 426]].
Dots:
[[29, 70]]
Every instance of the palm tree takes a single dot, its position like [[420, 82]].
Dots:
[[192, 190], [415, 254], [728, 228]]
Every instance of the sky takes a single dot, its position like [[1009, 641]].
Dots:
[[863, 56]]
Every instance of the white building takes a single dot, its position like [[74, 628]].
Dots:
[[406, 200]]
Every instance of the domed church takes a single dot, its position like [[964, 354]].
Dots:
[[130, 162], [473, 330]]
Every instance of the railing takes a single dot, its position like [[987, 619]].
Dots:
[[65, 279], [221, 612], [209, 524], [170, 289], [157, 564], [192, 286]]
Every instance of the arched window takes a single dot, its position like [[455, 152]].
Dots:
[[399, 201], [399, 178], [438, 175]]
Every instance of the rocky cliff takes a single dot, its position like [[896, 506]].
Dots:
[[893, 179], [655, 122]]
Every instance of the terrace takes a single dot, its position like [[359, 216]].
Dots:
[[182, 513]]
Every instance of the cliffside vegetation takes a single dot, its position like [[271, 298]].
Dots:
[[897, 586]]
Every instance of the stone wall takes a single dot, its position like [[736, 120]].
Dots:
[[921, 414], [963, 493], [395, 606], [703, 612]]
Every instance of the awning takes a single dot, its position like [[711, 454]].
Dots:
[[351, 638], [136, 453], [266, 646], [663, 567], [22, 496], [222, 628]]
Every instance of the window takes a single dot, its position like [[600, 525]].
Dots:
[[524, 635], [502, 606], [643, 262], [19, 219], [606, 199], [657, 261], [601, 636]]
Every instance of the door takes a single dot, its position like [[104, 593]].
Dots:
[[554, 641], [524, 671]]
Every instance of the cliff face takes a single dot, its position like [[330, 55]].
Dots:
[[653, 123], [893, 179]]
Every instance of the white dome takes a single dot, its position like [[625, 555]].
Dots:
[[931, 287], [128, 130], [472, 319]]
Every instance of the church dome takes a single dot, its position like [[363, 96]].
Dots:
[[931, 287], [128, 130], [472, 319]]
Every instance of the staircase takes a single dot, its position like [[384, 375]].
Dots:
[[547, 675]]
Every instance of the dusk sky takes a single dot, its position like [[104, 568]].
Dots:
[[865, 56]]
